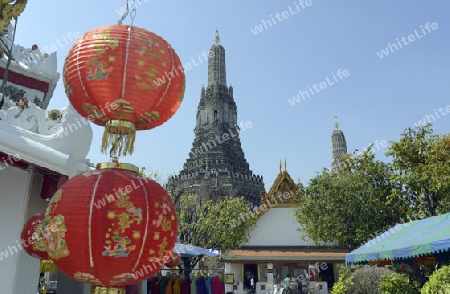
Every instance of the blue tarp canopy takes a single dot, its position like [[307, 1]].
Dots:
[[412, 239], [188, 250]]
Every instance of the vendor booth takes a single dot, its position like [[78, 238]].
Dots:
[[419, 238]]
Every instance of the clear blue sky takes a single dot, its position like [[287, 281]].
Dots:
[[377, 101]]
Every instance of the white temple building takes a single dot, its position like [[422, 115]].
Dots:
[[39, 150]]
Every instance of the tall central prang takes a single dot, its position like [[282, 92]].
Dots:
[[216, 166]]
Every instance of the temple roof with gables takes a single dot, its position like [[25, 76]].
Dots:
[[282, 184]]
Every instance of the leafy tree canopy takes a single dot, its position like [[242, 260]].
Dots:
[[345, 207], [421, 172]]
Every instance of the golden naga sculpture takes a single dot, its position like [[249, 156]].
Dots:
[[10, 9]]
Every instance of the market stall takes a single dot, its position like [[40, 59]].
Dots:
[[417, 238]]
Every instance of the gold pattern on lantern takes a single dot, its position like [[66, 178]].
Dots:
[[130, 215], [151, 74], [111, 58], [87, 278], [92, 110], [98, 69], [152, 55], [123, 109], [53, 203], [149, 116], [136, 235], [111, 214], [156, 236], [109, 43], [122, 279], [162, 247], [144, 85], [166, 225], [55, 244]]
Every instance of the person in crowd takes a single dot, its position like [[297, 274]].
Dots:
[[287, 284], [278, 279], [252, 284], [300, 280]]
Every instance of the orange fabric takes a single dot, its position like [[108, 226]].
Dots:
[[169, 288], [131, 67]]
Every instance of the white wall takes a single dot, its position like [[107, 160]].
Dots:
[[277, 227], [27, 276], [14, 183], [236, 269]]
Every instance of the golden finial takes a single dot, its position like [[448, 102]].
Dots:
[[336, 124], [285, 164], [280, 166]]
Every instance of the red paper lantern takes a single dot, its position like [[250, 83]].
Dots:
[[124, 78], [174, 260], [32, 236], [111, 227]]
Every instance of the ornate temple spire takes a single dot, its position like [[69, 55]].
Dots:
[[217, 159], [338, 145], [216, 64], [217, 37]]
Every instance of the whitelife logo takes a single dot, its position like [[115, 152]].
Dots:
[[411, 38], [265, 24]]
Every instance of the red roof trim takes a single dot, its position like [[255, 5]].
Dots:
[[25, 81], [11, 160]]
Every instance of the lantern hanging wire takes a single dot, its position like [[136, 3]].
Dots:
[[121, 134], [127, 10]]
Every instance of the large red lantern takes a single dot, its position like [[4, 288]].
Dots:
[[124, 78], [32, 236], [110, 227]]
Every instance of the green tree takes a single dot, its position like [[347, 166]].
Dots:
[[396, 283], [345, 207], [345, 280], [439, 282], [211, 220], [421, 172], [216, 225]]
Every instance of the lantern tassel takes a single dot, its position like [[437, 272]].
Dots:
[[103, 290], [120, 135], [47, 266]]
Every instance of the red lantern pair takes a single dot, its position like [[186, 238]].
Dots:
[[111, 227]]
